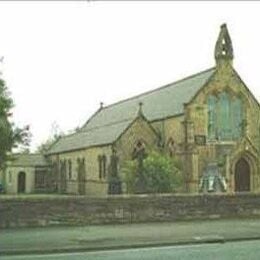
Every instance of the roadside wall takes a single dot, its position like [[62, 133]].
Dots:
[[77, 210]]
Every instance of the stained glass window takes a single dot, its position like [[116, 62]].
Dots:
[[225, 117], [212, 102], [237, 117]]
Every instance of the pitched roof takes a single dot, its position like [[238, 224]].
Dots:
[[107, 124], [28, 160], [99, 136], [157, 104]]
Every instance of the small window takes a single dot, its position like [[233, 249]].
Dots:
[[102, 166], [139, 150], [171, 146], [83, 167], [70, 169], [104, 161], [9, 176]]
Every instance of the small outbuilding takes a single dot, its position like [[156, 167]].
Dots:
[[26, 173]]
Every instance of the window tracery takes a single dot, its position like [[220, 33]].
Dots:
[[225, 117], [139, 149]]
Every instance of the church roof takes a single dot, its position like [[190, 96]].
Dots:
[[107, 124], [106, 134], [27, 160], [160, 103]]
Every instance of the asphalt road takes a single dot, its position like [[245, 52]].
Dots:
[[83, 238], [245, 250]]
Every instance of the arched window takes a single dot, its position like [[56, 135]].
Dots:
[[10, 177], [212, 119], [104, 166], [225, 132], [139, 149], [81, 171], [102, 159], [225, 117], [83, 166], [100, 166], [70, 169], [63, 167], [171, 146], [237, 120]]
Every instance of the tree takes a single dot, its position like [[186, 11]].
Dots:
[[56, 134], [160, 174], [45, 146], [11, 136]]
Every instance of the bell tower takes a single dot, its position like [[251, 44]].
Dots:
[[224, 48]]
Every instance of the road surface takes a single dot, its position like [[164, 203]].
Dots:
[[243, 250]]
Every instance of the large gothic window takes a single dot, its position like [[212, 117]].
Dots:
[[237, 112], [225, 117], [212, 119]]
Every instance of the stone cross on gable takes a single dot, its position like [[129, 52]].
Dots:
[[140, 110]]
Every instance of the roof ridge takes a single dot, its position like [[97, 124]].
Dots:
[[33, 154], [93, 128], [114, 123], [127, 122], [159, 88]]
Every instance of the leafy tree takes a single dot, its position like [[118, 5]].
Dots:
[[45, 146], [160, 173], [10, 135], [56, 134]]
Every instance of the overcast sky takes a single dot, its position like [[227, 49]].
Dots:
[[62, 59]]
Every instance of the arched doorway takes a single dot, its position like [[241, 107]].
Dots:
[[21, 182], [242, 175]]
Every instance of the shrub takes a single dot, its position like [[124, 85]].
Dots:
[[159, 174]]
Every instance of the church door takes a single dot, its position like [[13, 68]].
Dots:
[[21, 182], [242, 176]]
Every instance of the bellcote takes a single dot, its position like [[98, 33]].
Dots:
[[224, 48]]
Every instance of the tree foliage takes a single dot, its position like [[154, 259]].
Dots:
[[55, 135], [11, 136], [45, 146], [160, 173]]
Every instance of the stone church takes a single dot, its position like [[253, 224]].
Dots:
[[209, 118]]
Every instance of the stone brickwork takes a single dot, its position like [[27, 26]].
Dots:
[[226, 80], [11, 181], [72, 210], [207, 118], [94, 185], [139, 130]]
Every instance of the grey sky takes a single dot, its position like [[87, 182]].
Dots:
[[63, 58]]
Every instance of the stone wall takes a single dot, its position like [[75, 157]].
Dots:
[[11, 180], [91, 169], [78, 210]]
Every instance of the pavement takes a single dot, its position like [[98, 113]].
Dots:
[[48, 240]]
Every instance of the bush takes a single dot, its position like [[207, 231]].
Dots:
[[159, 174]]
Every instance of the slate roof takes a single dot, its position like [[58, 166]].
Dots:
[[157, 104], [28, 160], [99, 136], [106, 125]]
